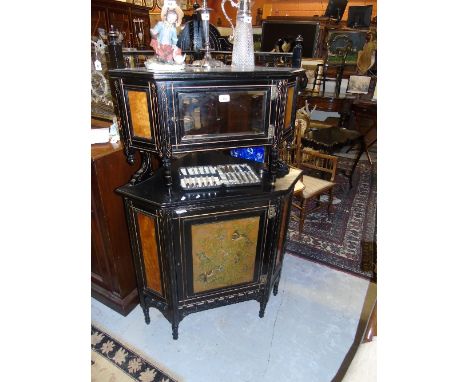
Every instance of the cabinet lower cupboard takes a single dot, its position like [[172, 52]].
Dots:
[[199, 250]]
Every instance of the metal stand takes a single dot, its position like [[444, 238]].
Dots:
[[208, 61]]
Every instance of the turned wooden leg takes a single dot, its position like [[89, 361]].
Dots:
[[167, 171], [262, 309], [175, 331], [146, 313], [362, 148], [275, 287], [273, 165]]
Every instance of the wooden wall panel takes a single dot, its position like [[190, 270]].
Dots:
[[113, 279], [308, 8], [282, 8], [217, 13]]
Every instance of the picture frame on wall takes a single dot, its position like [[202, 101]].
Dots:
[[358, 84], [275, 30], [357, 39]]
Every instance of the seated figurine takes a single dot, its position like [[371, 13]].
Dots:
[[164, 34]]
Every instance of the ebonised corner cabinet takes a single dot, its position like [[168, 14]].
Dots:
[[196, 250]]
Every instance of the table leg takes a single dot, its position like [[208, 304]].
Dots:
[[362, 149]]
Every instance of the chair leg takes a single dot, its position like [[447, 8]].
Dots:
[[302, 215], [330, 200], [368, 156], [317, 201]]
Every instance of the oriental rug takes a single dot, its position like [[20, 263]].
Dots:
[[345, 239], [112, 361]]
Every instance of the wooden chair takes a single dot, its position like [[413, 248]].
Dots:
[[290, 152], [328, 72], [310, 188]]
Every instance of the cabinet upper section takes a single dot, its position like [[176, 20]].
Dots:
[[198, 109]]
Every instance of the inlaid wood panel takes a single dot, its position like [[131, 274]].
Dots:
[[289, 105], [139, 113], [149, 249], [223, 253]]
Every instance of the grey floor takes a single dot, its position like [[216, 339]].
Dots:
[[305, 335]]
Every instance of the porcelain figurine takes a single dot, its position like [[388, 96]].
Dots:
[[164, 34]]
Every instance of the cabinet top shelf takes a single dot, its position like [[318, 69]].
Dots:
[[154, 192], [193, 72]]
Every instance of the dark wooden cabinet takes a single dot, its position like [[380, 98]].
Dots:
[[200, 250], [112, 271], [105, 13], [99, 18]]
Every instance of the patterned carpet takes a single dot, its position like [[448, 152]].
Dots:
[[111, 361], [346, 239]]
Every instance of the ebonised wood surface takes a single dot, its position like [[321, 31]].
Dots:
[[150, 190], [195, 72]]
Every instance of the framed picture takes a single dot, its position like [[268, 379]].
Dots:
[[273, 30], [358, 84], [336, 40]]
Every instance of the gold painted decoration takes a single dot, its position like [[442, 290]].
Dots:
[[138, 102], [223, 253]]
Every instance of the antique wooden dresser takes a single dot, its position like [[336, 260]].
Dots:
[[113, 279]]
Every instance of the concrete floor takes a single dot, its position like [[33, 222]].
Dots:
[[307, 330]]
